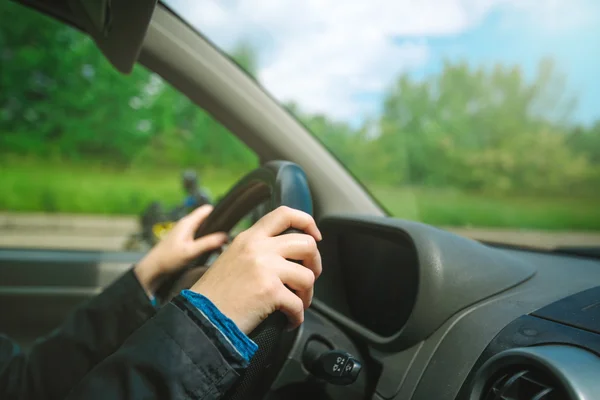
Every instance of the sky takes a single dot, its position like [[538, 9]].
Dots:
[[337, 57]]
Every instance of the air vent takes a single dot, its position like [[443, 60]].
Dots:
[[549, 372], [523, 383]]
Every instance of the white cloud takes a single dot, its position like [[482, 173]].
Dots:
[[323, 77], [556, 16], [329, 55]]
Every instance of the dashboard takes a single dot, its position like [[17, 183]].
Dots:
[[438, 316]]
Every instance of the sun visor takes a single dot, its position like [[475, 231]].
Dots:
[[117, 26]]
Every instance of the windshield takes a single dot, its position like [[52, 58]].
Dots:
[[481, 117]]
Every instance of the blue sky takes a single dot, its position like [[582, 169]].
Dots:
[[576, 51], [338, 60]]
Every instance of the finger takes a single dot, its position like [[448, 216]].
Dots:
[[279, 220], [299, 279], [194, 219], [300, 247], [210, 242], [292, 306]]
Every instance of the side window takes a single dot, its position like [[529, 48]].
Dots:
[[90, 158]]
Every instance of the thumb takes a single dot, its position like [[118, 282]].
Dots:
[[210, 242]]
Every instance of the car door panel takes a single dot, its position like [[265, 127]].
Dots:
[[38, 288]]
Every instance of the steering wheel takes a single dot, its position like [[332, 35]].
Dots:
[[277, 183]]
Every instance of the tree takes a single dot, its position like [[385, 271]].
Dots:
[[60, 96], [481, 130]]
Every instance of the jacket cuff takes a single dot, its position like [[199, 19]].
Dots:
[[228, 329], [225, 346]]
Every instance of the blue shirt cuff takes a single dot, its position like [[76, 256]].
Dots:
[[154, 302], [242, 343]]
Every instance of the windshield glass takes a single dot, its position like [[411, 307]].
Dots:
[[478, 116]]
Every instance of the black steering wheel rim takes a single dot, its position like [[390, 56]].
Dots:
[[276, 183]]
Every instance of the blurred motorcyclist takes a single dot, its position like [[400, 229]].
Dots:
[[196, 196], [156, 221]]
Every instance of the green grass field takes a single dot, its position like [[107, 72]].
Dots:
[[32, 187], [455, 208], [95, 190]]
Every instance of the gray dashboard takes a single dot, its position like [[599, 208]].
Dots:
[[467, 294]]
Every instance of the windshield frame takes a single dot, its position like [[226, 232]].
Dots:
[[198, 32]]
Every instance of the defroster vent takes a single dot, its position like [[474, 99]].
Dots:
[[523, 383]]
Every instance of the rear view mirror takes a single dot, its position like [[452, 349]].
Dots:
[[117, 26]]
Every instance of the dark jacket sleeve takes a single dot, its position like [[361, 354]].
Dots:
[[59, 361], [175, 355]]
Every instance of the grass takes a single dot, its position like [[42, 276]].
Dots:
[[92, 189], [454, 208]]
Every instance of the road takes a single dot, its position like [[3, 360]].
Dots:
[[83, 232], [110, 233]]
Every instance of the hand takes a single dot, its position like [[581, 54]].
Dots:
[[177, 249], [248, 281]]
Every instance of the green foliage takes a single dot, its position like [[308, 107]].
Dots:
[[586, 142], [474, 129], [483, 130], [61, 100], [94, 188], [244, 54]]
